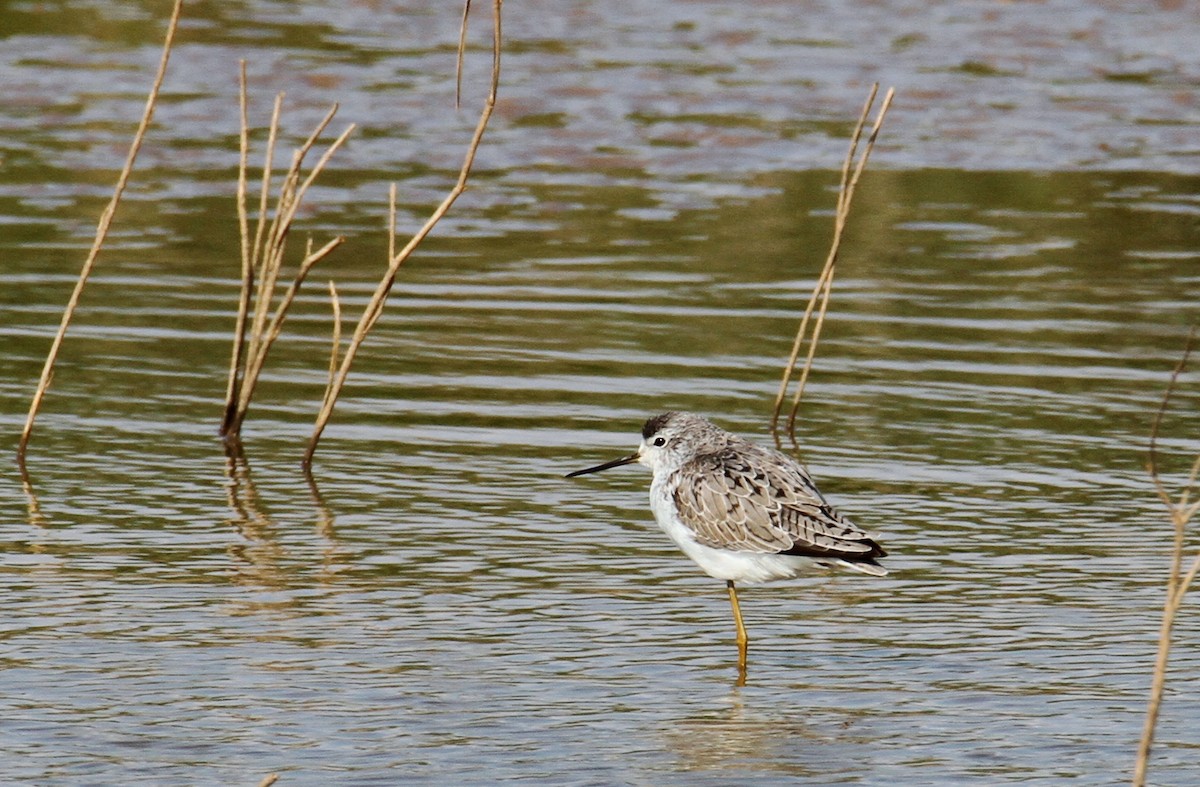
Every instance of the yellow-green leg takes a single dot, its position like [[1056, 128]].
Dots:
[[742, 639]]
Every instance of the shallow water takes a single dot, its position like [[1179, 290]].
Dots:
[[650, 209]]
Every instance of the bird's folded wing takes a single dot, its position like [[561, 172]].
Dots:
[[765, 508]]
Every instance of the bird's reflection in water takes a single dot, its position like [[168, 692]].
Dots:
[[742, 739]]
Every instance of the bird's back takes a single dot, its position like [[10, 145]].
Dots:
[[749, 499]]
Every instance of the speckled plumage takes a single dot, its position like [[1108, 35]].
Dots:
[[734, 495]]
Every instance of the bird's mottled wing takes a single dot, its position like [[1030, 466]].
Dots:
[[753, 500]]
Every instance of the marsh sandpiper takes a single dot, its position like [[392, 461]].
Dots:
[[744, 513]]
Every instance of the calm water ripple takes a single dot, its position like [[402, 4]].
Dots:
[[651, 206]]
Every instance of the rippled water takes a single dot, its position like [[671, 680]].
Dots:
[[652, 205]]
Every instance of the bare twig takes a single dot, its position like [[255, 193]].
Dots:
[[1156, 425], [1178, 580], [291, 194], [336, 303], [374, 308], [258, 358], [462, 48], [239, 331], [819, 300], [263, 259], [102, 228], [264, 198]]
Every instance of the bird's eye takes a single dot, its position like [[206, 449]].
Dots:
[[660, 441]]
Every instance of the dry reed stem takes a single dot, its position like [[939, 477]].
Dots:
[[1178, 581], [239, 330], [819, 300], [263, 259], [462, 48], [265, 184], [290, 196], [269, 779], [102, 228], [267, 259], [337, 335], [374, 308], [392, 222], [257, 361]]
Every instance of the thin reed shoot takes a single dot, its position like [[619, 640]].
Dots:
[[106, 218], [374, 308], [819, 300]]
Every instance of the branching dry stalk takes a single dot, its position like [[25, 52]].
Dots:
[[1178, 581], [374, 308], [262, 258], [102, 228], [819, 300]]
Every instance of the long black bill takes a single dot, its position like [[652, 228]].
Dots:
[[614, 463]]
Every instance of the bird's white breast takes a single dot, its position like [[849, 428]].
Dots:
[[743, 567]]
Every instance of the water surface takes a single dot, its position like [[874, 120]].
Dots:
[[650, 210]]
